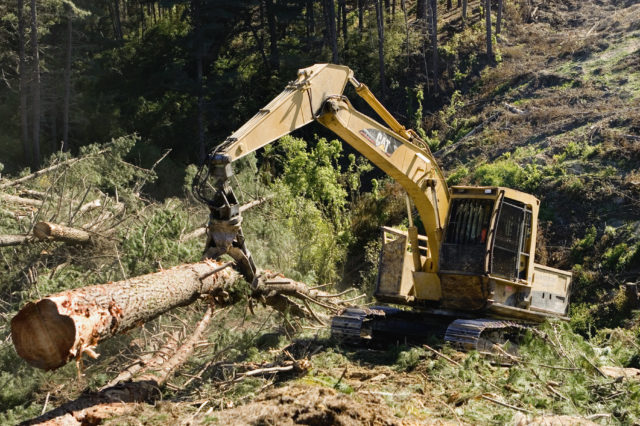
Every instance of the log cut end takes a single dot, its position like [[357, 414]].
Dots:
[[53, 231], [42, 336], [42, 230]]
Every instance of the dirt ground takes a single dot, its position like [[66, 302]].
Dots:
[[311, 405]]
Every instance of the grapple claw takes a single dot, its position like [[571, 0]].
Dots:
[[224, 232]]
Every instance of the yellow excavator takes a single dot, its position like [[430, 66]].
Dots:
[[471, 276]]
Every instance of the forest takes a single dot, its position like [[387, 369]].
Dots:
[[107, 110]]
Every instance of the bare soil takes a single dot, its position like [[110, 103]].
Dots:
[[299, 404]]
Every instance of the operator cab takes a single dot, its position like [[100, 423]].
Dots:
[[486, 260], [489, 231]]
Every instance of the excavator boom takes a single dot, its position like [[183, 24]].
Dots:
[[317, 95]]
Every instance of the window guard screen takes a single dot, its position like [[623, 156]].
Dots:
[[464, 246]]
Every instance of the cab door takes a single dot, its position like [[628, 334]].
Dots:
[[509, 251]]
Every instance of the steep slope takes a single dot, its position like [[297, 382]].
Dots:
[[559, 117]]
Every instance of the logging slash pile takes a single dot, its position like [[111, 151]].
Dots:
[[81, 229]]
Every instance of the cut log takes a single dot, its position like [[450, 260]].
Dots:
[[32, 193], [196, 233], [50, 332], [13, 240], [14, 199], [48, 231], [514, 109], [91, 205], [92, 408], [121, 398], [256, 202]]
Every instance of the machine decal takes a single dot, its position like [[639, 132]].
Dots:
[[382, 140]]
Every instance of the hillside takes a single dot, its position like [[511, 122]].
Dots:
[[557, 115]]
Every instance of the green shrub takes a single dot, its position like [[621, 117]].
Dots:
[[614, 257], [506, 172], [154, 241], [458, 175], [408, 359], [585, 246]]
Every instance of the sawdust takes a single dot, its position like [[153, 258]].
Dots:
[[311, 405]]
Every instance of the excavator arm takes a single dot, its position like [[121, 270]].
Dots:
[[317, 95]]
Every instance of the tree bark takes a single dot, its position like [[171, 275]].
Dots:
[[121, 398], [32, 193], [434, 43], [361, 7], [449, 5], [117, 20], [342, 5], [332, 30], [260, 43], [35, 86], [310, 19], [274, 56], [50, 332], [421, 10], [24, 131], [201, 142], [53, 140], [143, 23], [403, 6], [13, 199], [94, 407], [499, 17], [464, 12], [13, 240], [380, 22], [339, 16], [487, 16], [197, 6], [48, 231], [67, 86]]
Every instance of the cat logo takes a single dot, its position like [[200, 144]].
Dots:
[[382, 140]]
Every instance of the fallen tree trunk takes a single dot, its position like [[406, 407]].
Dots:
[[14, 199], [122, 398], [51, 168], [91, 205], [50, 332], [13, 240], [197, 233], [48, 231], [32, 193]]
